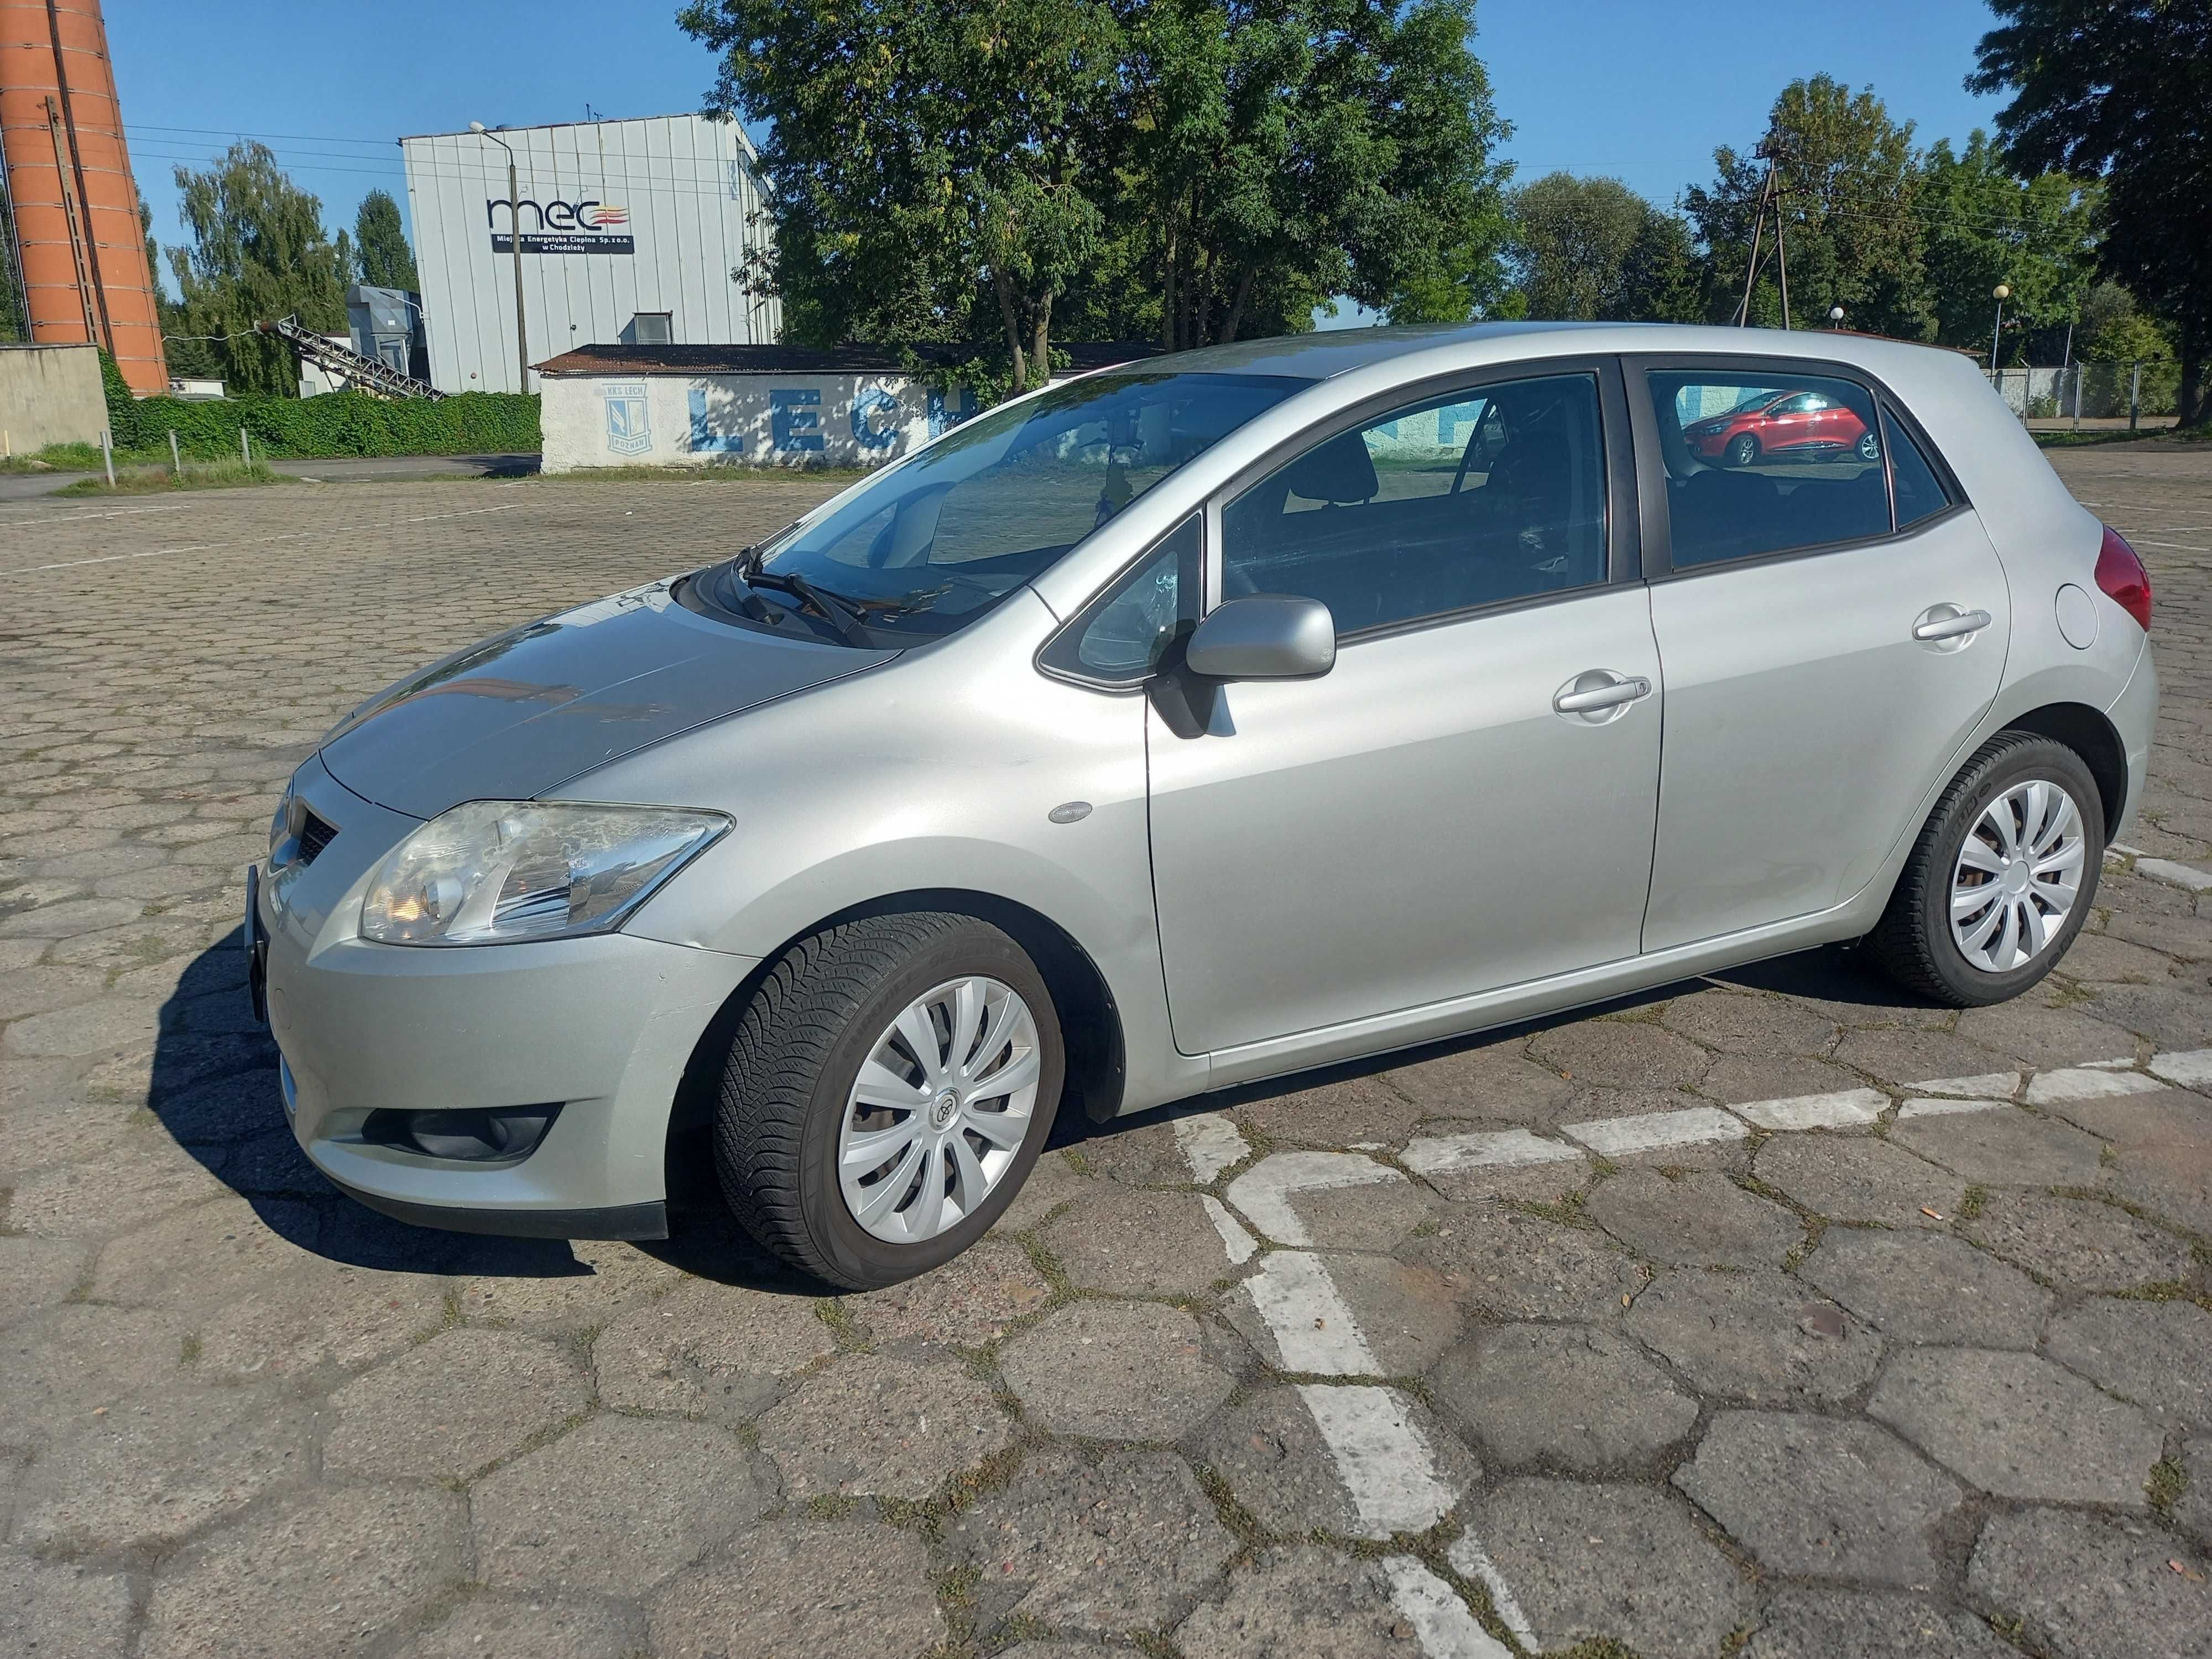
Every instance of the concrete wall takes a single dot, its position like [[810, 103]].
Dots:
[[50, 394], [753, 419]]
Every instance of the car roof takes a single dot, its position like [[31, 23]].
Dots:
[[1326, 354]]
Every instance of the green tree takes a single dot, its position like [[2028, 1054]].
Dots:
[[1277, 156], [1985, 225], [381, 256], [2119, 90], [1851, 230], [259, 253], [15, 325], [922, 154], [1590, 249], [2113, 329], [1193, 170]]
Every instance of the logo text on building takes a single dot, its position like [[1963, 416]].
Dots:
[[558, 227]]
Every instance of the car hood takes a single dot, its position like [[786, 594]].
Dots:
[[516, 715]]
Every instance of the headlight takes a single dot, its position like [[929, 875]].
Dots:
[[489, 871]]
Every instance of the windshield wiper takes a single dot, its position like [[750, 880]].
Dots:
[[740, 592], [839, 615]]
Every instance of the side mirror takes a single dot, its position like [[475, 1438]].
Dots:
[[1264, 636]]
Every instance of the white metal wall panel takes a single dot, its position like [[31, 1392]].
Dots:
[[691, 196]]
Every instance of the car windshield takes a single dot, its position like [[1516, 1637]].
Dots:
[[930, 545]]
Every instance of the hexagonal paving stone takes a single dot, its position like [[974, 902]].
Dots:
[[1133, 1242], [458, 1402], [36, 1273], [1515, 1265], [1586, 1562], [1404, 1317], [800, 1586], [2158, 1354], [615, 1505], [1814, 1497], [1567, 1397], [1737, 1023], [1346, 1114], [1115, 1370], [2193, 1512], [610, 1276], [2033, 1032], [1280, 1465], [2172, 1015], [156, 1470], [1620, 1053], [1740, 1080], [1139, 1152], [1127, 1543], [1928, 1288], [52, 1608], [2095, 1588], [1902, 1058], [1760, 1337], [319, 1315], [2011, 1147], [880, 1425], [497, 1627], [1810, 1623], [1859, 1178], [1309, 1601], [710, 1351], [139, 1181], [2079, 1243], [967, 1302], [1704, 1219], [204, 1256], [1051, 1183], [312, 1575], [2018, 1426], [63, 1366], [1378, 1217]]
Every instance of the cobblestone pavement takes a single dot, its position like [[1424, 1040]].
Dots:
[[1771, 1316]]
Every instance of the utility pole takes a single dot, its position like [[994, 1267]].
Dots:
[[1770, 203], [514, 241]]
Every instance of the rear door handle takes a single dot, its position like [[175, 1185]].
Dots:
[[1578, 697], [1948, 622]]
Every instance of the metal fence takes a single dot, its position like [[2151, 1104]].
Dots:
[[2091, 392]]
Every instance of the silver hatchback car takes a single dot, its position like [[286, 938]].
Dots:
[[1192, 723]]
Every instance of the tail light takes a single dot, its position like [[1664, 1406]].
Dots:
[[2121, 575]]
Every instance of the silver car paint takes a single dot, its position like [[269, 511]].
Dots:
[[940, 771]]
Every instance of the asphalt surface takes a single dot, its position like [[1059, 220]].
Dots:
[[1771, 1316]]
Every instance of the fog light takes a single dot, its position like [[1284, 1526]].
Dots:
[[502, 1134]]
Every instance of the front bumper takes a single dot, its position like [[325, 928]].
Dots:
[[603, 1026]]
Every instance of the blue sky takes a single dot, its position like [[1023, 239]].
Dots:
[[1641, 90]]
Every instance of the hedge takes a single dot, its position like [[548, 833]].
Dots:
[[337, 423]]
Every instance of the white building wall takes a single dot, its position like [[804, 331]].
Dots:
[[691, 207], [758, 419]]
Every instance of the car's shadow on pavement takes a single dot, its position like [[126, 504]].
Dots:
[[213, 1085]]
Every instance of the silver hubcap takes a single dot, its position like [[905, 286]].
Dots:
[[939, 1110], [2018, 875]]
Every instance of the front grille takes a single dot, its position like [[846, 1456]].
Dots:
[[315, 834]]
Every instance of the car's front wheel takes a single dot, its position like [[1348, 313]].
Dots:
[[1742, 450], [1869, 448], [888, 1090], [2002, 878]]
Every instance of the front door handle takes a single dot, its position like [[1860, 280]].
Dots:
[[1598, 689], [1948, 622]]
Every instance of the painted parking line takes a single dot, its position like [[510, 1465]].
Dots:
[[256, 541], [1240, 1245], [1441, 1622], [2191, 1068], [2165, 870], [1848, 1109], [2088, 1082], [1263, 1193], [1491, 1149], [1985, 1085], [1210, 1145], [1948, 1106], [1312, 1325], [1620, 1136]]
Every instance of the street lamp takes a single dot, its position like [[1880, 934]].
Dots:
[[2000, 293], [1835, 316], [514, 241]]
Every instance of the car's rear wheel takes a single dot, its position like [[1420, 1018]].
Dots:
[[887, 1092], [1869, 448], [2002, 878], [1742, 450]]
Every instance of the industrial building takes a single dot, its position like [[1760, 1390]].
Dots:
[[632, 232], [73, 219]]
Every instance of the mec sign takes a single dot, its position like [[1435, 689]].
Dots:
[[561, 226]]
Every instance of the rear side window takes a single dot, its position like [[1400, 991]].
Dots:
[[1920, 494], [1767, 464]]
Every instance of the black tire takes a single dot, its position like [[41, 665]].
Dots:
[[1867, 448], [1914, 942], [1742, 450], [790, 1067]]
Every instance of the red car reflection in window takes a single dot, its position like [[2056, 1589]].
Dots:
[[1783, 426]]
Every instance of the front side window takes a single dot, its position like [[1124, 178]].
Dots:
[[1476, 498], [1121, 636], [929, 546], [1767, 464]]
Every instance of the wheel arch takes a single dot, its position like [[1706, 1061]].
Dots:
[[1091, 1020], [2091, 735]]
